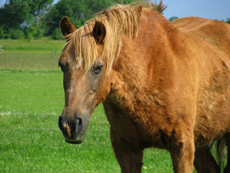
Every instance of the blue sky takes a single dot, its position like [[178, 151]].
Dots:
[[211, 9]]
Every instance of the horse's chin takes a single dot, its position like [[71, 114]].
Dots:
[[73, 142], [76, 140]]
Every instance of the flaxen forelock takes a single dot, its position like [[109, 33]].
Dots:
[[119, 20]]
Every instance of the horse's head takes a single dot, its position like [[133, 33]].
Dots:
[[92, 62], [84, 86]]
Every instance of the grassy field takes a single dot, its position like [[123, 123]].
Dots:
[[31, 99]]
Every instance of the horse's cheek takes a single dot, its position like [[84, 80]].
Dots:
[[103, 92]]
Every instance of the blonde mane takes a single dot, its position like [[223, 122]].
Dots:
[[119, 20]]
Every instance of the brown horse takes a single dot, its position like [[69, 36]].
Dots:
[[162, 84]]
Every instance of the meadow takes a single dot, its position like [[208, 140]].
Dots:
[[31, 100]]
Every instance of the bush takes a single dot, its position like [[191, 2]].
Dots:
[[228, 20], [2, 35], [56, 35], [33, 32], [16, 34]]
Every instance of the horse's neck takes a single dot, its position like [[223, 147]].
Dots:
[[157, 33], [134, 78]]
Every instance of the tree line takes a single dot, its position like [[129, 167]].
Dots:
[[33, 19]]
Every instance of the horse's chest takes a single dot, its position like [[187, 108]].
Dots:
[[125, 126]]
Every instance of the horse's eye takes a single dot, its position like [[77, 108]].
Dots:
[[98, 69]]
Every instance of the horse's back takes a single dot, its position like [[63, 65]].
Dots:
[[199, 25], [208, 39], [214, 33], [210, 42]]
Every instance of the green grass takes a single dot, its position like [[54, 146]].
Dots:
[[34, 54], [31, 99], [33, 45]]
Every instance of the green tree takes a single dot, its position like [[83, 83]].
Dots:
[[22, 14], [12, 15], [228, 20], [173, 18]]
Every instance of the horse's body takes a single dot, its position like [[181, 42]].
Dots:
[[167, 85]]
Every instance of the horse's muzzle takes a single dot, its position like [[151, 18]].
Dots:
[[73, 129]]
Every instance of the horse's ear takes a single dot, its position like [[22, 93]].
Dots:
[[66, 26], [139, 8], [99, 32]]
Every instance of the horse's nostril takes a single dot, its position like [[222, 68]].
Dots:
[[79, 122], [60, 118], [60, 123]]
